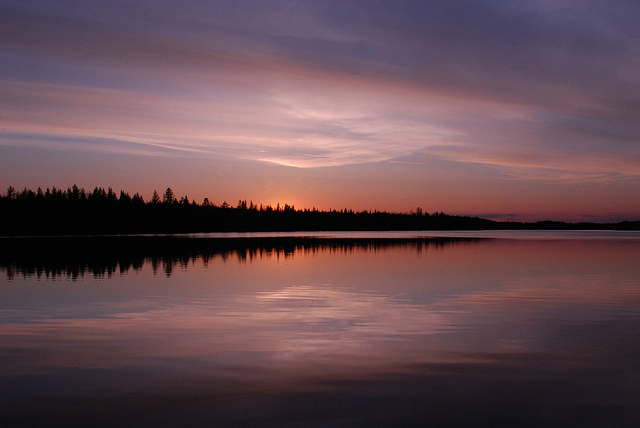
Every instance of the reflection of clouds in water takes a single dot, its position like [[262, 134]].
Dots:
[[534, 313], [297, 324], [602, 292], [329, 320]]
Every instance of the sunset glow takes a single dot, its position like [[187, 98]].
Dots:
[[514, 110]]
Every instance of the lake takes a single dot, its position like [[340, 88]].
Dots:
[[325, 329]]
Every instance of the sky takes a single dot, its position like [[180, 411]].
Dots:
[[509, 110]]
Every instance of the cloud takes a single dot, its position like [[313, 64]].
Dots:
[[277, 125], [538, 91]]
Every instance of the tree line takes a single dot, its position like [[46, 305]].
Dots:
[[109, 196], [74, 211]]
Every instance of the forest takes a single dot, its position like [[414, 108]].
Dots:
[[74, 211]]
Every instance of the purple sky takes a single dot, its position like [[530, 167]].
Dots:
[[513, 109]]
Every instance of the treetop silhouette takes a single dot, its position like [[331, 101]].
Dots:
[[75, 211]]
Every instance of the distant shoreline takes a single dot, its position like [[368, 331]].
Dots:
[[102, 212]]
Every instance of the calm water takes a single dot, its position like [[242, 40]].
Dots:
[[542, 331]]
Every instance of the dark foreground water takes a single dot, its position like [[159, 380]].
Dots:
[[543, 331]]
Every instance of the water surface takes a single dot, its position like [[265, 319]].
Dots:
[[519, 332]]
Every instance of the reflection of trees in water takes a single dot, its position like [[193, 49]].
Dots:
[[105, 257]]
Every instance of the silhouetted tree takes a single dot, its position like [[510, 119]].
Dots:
[[168, 197], [138, 199], [155, 199], [111, 195], [124, 197], [73, 193], [98, 194]]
